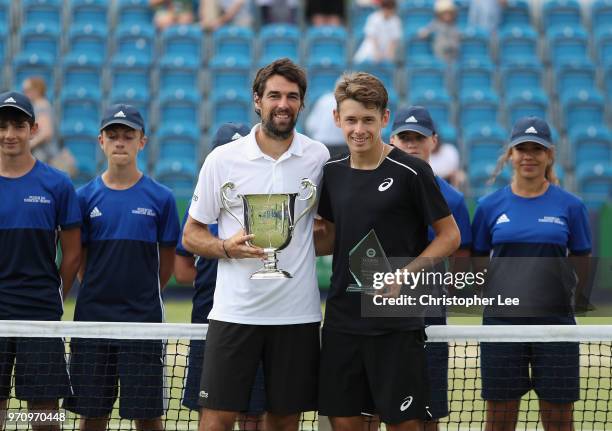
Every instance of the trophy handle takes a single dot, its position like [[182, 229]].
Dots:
[[311, 197], [225, 200]]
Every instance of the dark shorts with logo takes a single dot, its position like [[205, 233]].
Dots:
[[290, 358], [383, 374]]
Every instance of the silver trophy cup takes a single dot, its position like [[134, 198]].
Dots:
[[271, 218]]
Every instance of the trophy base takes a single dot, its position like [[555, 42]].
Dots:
[[355, 288], [270, 274]]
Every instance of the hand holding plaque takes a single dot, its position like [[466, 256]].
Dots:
[[271, 218], [366, 259]]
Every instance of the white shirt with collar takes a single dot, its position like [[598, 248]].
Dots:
[[238, 299]]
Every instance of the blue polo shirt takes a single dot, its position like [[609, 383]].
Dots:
[[122, 232], [206, 278], [456, 204], [528, 240], [33, 208]]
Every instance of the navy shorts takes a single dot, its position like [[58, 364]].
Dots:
[[555, 371], [98, 367], [40, 368], [437, 371], [257, 404]]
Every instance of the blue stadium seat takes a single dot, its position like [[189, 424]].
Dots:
[[326, 42], [230, 73], [230, 106], [590, 144], [478, 107], [438, 103], [594, 182], [42, 11], [279, 40], [179, 107], [130, 72], [463, 9], [179, 73], [567, 44], [5, 17], [359, 15], [137, 40], [603, 46], [177, 141], [82, 71], [417, 50], [479, 175], [425, 76], [526, 103], [573, 76], [94, 12], [385, 71], [584, 108], [415, 13], [447, 133], [40, 37], [322, 76], [474, 44], [474, 75], [560, 13], [520, 75], [178, 174], [518, 43], [42, 64], [484, 143], [607, 77], [81, 138], [134, 12], [601, 15], [88, 39], [516, 14], [183, 41], [233, 41], [4, 39], [392, 105], [81, 104]]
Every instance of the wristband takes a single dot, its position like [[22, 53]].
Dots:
[[225, 250]]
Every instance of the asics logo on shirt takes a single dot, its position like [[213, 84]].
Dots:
[[95, 213], [406, 403], [502, 219], [37, 200], [385, 184]]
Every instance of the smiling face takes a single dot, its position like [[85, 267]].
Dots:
[[529, 160], [361, 126], [415, 144], [121, 144], [16, 130], [279, 107]]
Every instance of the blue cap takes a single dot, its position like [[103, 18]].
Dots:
[[12, 99], [413, 119], [122, 114], [229, 132], [531, 129]]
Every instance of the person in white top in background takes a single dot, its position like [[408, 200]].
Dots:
[[271, 321], [383, 31]]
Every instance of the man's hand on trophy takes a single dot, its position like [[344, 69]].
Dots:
[[237, 247]]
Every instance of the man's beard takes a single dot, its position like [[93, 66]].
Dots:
[[271, 129]]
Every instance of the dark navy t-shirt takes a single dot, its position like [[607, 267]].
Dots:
[[206, 278], [122, 230], [33, 208], [528, 240]]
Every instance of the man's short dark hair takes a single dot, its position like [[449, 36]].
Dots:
[[285, 68], [363, 88], [15, 116]]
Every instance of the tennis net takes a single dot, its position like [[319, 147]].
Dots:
[[593, 411]]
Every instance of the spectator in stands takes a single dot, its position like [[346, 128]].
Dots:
[[486, 14], [320, 124], [443, 28], [325, 12], [217, 13], [172, 12], [43, 144], [383, 31], [278, 11], [444, 161], [524, 233]]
